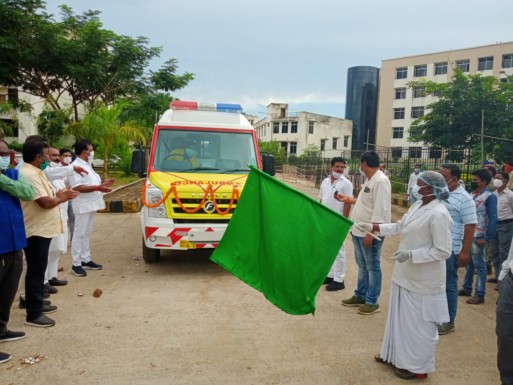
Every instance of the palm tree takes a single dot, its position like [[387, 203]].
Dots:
[[103, 124]]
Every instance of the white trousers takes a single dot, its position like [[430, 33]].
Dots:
[[338, 269], [80, 244], [53, 265]]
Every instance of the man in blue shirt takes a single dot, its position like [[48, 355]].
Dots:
[[462, 209], [486, 210], [13, 187]]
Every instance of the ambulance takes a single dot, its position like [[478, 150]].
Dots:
[[198, 164]]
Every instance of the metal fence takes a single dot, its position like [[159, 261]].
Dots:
[[398, 163]]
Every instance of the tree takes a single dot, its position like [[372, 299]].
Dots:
[[274, 148], [77, 58], [103, 125], [454, 121]]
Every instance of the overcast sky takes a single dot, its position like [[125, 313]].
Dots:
[[257, 52]]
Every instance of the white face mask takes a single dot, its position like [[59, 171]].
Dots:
[[54, 164], [66, 160], [361, 172], [336, 175], [90, 157], [497, 183], [416, 194], [5, 161]]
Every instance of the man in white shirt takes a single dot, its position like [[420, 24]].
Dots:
[[336, 185], [413, 181], [373, 205], [501, 242], [91, 200]]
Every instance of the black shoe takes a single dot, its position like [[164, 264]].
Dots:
[[50, 289], [57, 282], [463, 293], [328, 280], [4, 357], [41, 322], [23, 304], [91, 266], [78, 271], [47, 309], [334, 286], [11, 336], [46, 295], [492, 280]]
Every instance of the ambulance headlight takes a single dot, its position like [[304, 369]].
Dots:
[[154, 195]]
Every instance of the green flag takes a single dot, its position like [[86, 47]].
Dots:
[[281, 242]]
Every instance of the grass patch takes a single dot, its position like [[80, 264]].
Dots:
[[121, 178]]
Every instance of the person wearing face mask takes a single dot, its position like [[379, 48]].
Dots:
[[13, 187], [66, 158], [486, 210], [332, 187], [42, 223], [184, 151], [89, 201], [58, 246], [417, 293], [373, 205], [462, 209], [413, 181], [500, 244]]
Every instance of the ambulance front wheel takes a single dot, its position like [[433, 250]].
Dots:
[[150, 255]]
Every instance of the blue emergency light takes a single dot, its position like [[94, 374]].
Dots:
[[219, 107]]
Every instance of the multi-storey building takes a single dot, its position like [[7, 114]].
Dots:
[[399, 105], [296, 132]]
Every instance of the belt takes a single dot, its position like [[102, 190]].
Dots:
[[505, 221]]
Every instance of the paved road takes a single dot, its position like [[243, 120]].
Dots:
[[184, 320]]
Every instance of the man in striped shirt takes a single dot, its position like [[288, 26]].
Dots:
[[462, 209]]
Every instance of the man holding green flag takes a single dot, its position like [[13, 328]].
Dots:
[[274, 239]]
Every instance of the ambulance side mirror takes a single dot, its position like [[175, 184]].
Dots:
[[268, 164], [138, 164]]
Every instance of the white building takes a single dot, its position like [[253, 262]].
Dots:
[[296, 132], [400, 105]]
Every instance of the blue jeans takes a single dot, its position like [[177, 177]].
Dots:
[[369, 270], [477, 261], [451, 285]]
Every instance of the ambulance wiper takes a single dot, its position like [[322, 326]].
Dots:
[[199, 169], [235, 170]]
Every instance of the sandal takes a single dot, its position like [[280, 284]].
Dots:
[[475, 300], [407, 375]]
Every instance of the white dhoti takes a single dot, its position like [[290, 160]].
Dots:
[[338, 269], [58, 245], [411, 332], [80, 245]]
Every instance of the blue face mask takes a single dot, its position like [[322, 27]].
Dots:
[[43, 165], [190, 152], [5, 161]]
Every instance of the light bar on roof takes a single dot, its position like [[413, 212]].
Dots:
[[219, 107]]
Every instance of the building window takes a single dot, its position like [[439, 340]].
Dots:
[[335, 140], [419, 92], [323, 144], [507, 61], [415, 152], [400, 93], [485, 63], [3, 98], [435, 153], [346, 140], [293, 147], [284, 146], [437, 93], [399, 113], [441, 68], [293, 127], [397, 132], [284, 127], [276, 127], [401, 73], [311, 127], [397, 152], [417, 112], [463, 65], [420, 71]]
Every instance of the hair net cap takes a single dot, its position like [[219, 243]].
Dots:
[[437, 181]]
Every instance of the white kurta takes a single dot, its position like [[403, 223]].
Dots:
[[417, 296], [60, 242]]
